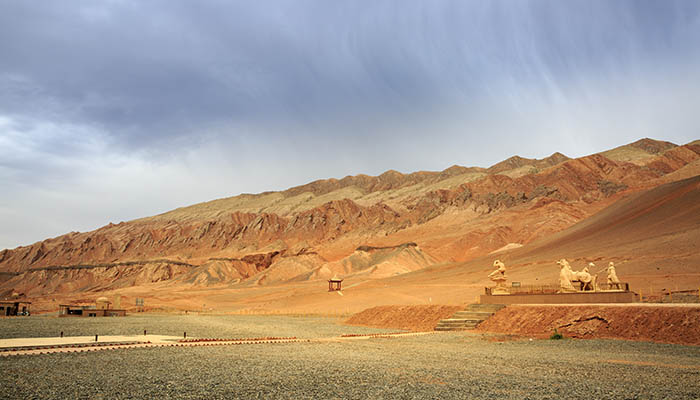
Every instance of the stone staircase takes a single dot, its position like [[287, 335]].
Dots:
[[469, 318]]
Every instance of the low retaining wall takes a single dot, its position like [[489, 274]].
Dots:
[[561, 298], [644, 322], [415, 318]]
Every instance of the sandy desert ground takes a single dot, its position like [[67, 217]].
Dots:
[[441, 365]]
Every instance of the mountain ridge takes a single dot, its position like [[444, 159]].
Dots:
[[453, 215]]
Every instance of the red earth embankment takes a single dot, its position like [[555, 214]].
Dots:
[[415, 318], [657, 323]]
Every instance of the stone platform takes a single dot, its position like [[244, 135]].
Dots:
[[561, 298]]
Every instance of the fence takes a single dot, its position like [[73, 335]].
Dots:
[[554, 288], [681, 296]]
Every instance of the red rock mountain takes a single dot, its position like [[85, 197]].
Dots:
[[359, 227]]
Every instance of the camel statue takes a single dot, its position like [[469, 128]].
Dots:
[[567, 276]]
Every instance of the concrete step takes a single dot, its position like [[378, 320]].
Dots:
[[476, 307], [469, 318], [482, 315], [448, 327], [485, 307], [464, 326], [460, 320], [452, 328]]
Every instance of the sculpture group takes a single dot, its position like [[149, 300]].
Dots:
[[584, 280]]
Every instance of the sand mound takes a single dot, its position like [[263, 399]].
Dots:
[[217, 272], [666, 324], [509, 246], [288, 269], [651, 236], [366, 262], [377, 262], [414, 318], [668, 209]]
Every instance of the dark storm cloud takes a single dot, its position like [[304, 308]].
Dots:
[[144, 71]]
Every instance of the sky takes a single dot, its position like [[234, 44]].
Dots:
[[114, 110]]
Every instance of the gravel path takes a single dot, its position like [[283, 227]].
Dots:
[[446, 365], [209, 326]]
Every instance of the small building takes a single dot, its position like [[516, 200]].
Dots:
[[334, 284], [14, 307], [102, 308], [103, 303], [67, 310]]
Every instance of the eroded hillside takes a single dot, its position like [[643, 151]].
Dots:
[[319, 229]]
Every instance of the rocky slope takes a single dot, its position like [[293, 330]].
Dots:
[[317, 230]]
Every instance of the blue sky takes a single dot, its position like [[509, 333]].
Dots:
[[115, 110]]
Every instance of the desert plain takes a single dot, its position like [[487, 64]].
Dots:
[[438, 365]]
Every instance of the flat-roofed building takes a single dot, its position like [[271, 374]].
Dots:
[[14, 307], [102, 308]]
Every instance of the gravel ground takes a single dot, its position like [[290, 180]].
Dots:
[[210, 326], [445, 366]]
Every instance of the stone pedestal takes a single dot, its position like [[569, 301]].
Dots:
[[561, 298]]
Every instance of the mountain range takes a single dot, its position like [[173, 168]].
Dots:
[[395, 238]]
